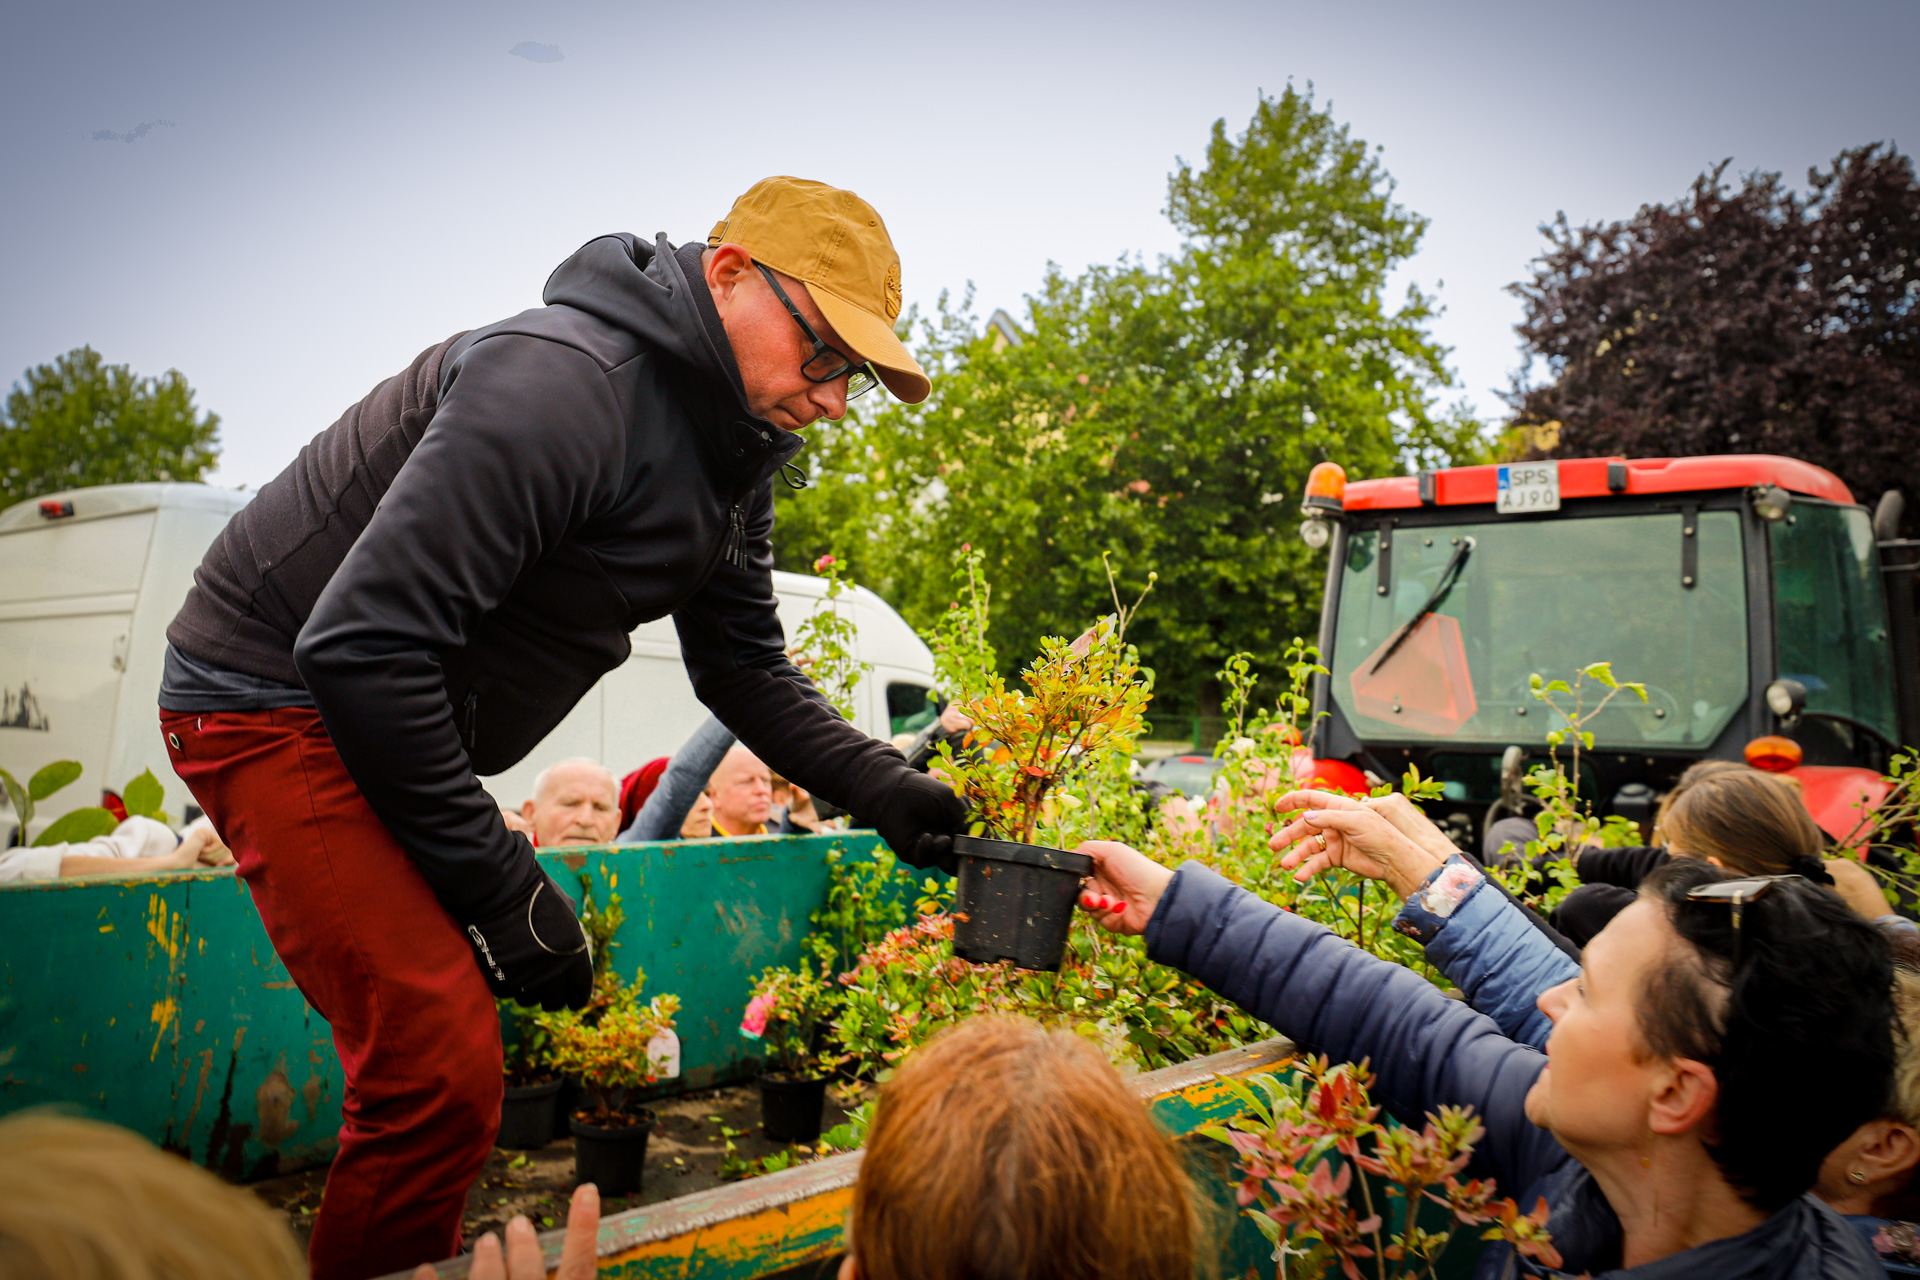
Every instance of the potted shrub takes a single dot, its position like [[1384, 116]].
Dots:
[[1084, 704], [614, 1058], [531, 1103], [787, 1014]]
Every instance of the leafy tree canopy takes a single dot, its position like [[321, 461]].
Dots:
[[1740, 320], [1167, 414], [79, 421]]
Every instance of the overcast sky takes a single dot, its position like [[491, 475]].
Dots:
[[288, 201]]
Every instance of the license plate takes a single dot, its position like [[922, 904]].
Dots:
[[1529, 486]]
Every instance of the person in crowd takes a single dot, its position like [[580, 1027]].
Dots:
[[637, 786], [793, 812], [698, 824], [1728, 813], [1870, 1177], [138, 846], [1668, 1124], [742, 793], [666, 809], [79, 1198], [1003, 1149], [575, 801]]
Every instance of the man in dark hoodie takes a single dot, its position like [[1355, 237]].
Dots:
[[436, 580]]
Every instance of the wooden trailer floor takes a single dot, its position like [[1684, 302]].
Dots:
[[683, 1156]]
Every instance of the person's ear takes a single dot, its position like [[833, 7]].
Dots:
[[1716, 862], [1893, 1149], [727, 269], [847, 1270], [1685, 1093], [526, 811]]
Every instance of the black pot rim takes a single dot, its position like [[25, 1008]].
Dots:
[[1031, 855], [779, 1078], [642, 1125], [520, 1092]]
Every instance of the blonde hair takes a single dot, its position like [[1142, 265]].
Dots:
[[82, 1200], [1006, 1150], [1903, 1098]]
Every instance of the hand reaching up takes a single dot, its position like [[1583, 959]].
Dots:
[[1335, 831], [522, 1259]]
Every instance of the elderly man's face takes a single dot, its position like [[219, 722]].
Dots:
[[742, 791], [579, 803], [769, 347]]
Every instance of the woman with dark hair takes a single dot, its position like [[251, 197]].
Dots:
[[1668, 1125]]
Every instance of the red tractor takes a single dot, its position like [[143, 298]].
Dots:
[[1767, 613]]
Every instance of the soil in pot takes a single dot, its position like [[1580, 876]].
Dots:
[[1015, 901], [790, 1107], [527, 1115], [611, 1157]]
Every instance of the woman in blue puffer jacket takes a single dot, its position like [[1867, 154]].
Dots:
[[1503, 963], [1699, 1069]]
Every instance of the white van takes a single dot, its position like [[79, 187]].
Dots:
[[90, 579]]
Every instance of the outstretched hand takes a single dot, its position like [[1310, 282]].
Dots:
[[522, 1259], [1337, 831], [1125, 886]]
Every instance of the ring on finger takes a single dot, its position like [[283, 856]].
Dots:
[[1321, 838]]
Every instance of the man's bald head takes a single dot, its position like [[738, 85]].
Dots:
[[742, 791], [575, 801]]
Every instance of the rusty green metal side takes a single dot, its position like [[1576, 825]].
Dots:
[[702, 918], [159, 1004]]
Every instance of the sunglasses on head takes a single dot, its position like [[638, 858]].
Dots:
[[1737, 894]]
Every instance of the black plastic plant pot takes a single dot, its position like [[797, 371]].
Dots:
[[790, 1108], [611, 1157], [1015, 901], [526, 1115], [571, 1098]]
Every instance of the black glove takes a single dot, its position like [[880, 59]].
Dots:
[[918, 819], [536, 952]]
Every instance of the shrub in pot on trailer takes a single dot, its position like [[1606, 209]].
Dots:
[[615, 1058], [788, 1014]]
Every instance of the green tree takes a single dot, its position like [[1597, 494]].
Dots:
[[79, 421], [1167, 414]]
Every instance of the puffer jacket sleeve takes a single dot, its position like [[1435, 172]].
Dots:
[[1490, 950], [736, 655], [1330, 997]]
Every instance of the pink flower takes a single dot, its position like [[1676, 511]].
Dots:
[[754, 1025], [820, 565]]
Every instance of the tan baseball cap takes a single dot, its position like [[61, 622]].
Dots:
[[834, 242]]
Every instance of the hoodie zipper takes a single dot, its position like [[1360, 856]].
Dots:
[[734, 551]]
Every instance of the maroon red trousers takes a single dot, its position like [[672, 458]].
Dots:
[[375, 955]]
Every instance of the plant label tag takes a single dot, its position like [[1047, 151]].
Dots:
[[663, 1051], [1528, 486]]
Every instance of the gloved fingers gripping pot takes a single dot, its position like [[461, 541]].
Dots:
[[919, 818], [535, 951]]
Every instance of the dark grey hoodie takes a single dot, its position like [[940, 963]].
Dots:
[[453, 564]]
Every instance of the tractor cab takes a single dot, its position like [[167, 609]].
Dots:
[[1751, 595]]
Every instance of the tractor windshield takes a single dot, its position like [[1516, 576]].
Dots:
[[1830, 614], [1546, 597]]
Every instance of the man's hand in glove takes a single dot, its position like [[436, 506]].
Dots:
[[918, 820], [535, 951]]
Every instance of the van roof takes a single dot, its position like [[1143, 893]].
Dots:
[[1601, 478], [118, 499]]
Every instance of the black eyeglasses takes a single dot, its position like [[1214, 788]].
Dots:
[[826, 363], [1737, 894]]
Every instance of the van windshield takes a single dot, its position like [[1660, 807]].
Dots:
[[1546, 597]]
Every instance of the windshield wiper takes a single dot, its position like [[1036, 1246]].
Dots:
[[1448, 576]]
